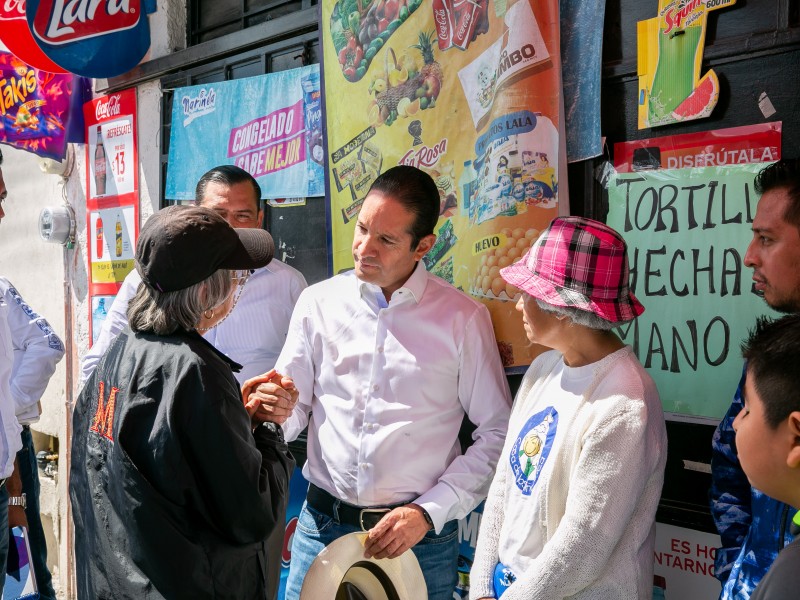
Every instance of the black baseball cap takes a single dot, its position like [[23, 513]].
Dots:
[[182, 245]]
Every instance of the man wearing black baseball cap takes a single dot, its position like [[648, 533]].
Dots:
[[173, 489]]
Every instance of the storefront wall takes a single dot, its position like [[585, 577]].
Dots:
[[754, 47]]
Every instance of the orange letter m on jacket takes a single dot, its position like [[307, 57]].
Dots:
[[103, 422]]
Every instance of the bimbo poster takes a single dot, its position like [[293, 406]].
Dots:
[[271, 126], [687, 232], [112, 196], [469, 91]]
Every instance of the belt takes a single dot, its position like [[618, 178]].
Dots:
[[365, 517]]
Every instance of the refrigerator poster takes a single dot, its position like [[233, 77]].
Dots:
[[670, 55], [469, 92], [112, 191], [270, 126], [687, 232]]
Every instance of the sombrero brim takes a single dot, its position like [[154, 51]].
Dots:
[[343, 561]]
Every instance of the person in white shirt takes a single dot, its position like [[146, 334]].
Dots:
[[571, 510], [10, 429], [255, 331], [387, 360], [37, 350]]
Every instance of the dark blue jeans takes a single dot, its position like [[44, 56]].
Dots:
[[29, 473]]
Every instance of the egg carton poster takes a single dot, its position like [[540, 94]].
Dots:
[[469, 92], [670, 55]]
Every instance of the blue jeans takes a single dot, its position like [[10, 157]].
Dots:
[[29, 474], [437, 554], [3, 534]]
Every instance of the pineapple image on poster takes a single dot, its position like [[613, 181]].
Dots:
[[670, 55]]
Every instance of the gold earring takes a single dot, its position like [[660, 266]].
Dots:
[[208, 316]]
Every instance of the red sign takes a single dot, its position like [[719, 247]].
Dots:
[[733, 146], [63, 21], [16, 35]]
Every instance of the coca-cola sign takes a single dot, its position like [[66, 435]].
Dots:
[[17, 37], [108, 108], [12, 9], [63, 21], [93, 38]]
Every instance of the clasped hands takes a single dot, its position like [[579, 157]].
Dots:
[[270, 397]]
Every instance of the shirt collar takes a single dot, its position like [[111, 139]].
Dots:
[[414, 285]]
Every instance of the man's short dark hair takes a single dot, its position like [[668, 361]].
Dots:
[[1, 157], [227, 175], [771, 352], [784, 174], [416, 191]]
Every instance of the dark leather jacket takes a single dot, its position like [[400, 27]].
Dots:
[[173, 495]]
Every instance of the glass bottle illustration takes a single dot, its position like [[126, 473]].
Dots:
[[98, 227], [99, 165], [118, 237]]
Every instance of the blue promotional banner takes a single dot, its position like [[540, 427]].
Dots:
[[271, 126]]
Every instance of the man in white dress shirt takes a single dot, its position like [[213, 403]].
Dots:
[[254, 332], [387, 360]]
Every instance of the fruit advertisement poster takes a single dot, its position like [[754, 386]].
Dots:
[[670, 55], [469, 91], [112, 195], [687, 232]]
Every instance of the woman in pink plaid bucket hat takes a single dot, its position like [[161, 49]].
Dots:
[[571, 510]]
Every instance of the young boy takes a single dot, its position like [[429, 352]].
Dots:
[[768, 435]]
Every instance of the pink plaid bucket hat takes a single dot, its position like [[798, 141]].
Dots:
[[578, 262]]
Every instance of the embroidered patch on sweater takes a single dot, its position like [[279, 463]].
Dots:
[[532, 447]]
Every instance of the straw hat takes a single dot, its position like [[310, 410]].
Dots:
[[340, 572]]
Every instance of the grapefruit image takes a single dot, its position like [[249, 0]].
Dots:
[[701, 101]]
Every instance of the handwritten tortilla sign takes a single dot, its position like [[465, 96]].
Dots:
[[687, 232]]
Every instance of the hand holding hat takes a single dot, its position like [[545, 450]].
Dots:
[[341, 570]]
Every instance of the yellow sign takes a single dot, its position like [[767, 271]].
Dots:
[[669, 60], [112, 271], [468, 92]]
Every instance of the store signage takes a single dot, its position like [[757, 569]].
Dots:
[[85, 36], [687, 232], [270, 126], [670, 56], [17, 37], [469, 92], [717, 148], [112, 197]]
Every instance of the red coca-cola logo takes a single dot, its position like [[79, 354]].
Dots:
[[110, 108], [64, 21], [12, 10]]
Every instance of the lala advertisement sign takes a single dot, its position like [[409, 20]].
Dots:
[[84, 36]]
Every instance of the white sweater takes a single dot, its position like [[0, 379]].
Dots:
[[571, 509]]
